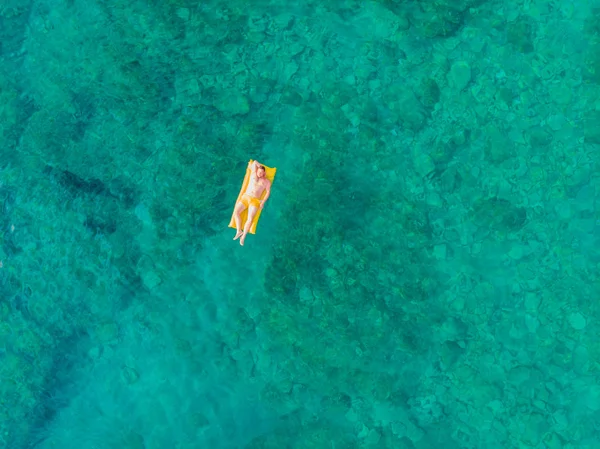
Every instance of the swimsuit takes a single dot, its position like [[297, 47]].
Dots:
[[248, 200]]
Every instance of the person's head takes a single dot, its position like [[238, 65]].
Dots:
[[260, 171]]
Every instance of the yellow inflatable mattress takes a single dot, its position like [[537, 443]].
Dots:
[[270, 173]]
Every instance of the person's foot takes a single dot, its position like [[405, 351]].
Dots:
[[238, 235], [242, 239]]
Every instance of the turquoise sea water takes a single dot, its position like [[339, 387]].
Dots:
[[424, 275]]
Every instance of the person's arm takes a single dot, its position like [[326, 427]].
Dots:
[[267, 193], [253, 166]]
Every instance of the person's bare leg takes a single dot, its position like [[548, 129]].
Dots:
[[239, 208], [251, 213]]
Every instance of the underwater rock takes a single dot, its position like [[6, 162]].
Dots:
[[429, 93], [591, 127], [460, 75], [577, 321], [232, 104], [521, 34], [291, 97], [409, 110], [499, 215], [439, 20]]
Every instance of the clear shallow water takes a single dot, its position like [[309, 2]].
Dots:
[[423, 275]]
